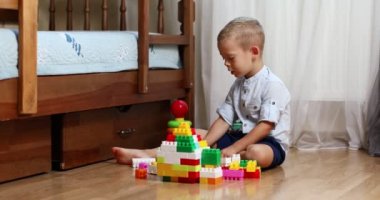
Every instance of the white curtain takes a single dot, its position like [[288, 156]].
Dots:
[[326, 52]]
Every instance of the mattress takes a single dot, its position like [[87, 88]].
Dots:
[[67, 52]]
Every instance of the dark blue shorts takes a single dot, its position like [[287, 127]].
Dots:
[[231, 137]]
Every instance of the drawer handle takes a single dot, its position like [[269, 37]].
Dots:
[[126, 132]]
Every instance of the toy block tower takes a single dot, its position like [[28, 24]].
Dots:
[[178, 159]]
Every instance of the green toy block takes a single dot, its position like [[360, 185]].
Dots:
[[173, 124], [185, 147], [237, 125], [166, 178], [211, 157], [183, 138], [243, 163]]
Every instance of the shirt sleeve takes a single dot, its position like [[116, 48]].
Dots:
[[274, 102], [226, 110]]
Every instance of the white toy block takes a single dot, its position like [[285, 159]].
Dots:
[[226, 161], [168, 146], [211, 172], [152, 169], [235, 157]]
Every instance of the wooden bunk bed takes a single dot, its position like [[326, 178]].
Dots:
[[80, 116]]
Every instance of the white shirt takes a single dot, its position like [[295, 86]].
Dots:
[[262, 97]]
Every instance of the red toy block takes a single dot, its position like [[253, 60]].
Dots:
[[185, 161], [170, 137], [194, 175], [255, 174], [141, 173], [188, 180], [199, 137]]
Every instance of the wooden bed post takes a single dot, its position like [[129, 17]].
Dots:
[[143, 46], [187, 17], [27, 94]]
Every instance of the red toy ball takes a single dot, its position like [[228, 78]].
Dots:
[[179, 108]]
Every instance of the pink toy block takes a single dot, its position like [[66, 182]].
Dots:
[[143, 165], [233, 174]]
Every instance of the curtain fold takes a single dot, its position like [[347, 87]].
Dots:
[[324, 52], [374, 120]]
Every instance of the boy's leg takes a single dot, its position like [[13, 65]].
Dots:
[[124, 156], [268, 153], [262, 153]]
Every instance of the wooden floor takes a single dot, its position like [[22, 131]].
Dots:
[[327, 174]]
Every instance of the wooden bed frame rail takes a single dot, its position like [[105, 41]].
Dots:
[[28, 80]]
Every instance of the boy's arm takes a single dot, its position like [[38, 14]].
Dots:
[[216, 131], [258, 133]]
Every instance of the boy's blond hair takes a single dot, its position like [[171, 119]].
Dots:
[[247, 31]]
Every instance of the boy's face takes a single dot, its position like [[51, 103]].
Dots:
[[239, 61]]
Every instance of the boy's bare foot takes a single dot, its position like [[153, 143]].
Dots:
[[124, 156]]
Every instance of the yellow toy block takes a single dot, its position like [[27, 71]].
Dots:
[[194, 168], [184, 125], [183, 174], [203, 180], [203, 144], [160, 159], [180, 119], [251, 165], [235, 165], [180, 167]]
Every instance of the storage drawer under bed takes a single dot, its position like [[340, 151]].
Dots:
[[86, 137], [25, 148]]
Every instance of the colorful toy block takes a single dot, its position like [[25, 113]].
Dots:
[[152, 168], [137, 161], [211, 157], [141, 173], [233, 174], [185, 158]]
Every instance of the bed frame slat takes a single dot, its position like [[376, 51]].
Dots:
[[123, 18], [160, 18], [69, 13], [105, 15], [9, 4], [28, 57], [187, 17], [143, 45], [52, 15], [87, 15]]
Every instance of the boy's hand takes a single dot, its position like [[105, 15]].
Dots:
[[229, 151]]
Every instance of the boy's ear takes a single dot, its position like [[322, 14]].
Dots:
[[255, 50]]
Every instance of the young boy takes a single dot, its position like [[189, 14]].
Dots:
[[254, 120]]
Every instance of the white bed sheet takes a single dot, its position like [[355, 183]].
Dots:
[[66, 52]]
